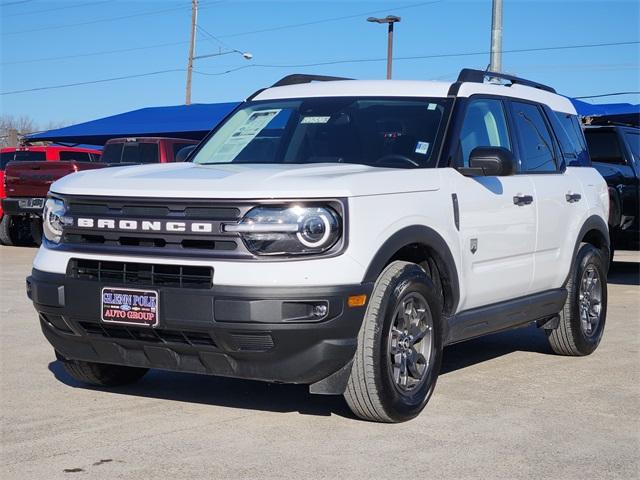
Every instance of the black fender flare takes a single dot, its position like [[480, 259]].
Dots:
[[594, 222], [419, 234]]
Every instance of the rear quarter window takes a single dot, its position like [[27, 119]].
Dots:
[[571, 139]]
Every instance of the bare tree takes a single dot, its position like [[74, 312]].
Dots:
[[13, 127]]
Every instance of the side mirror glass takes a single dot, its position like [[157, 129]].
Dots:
[[490, 162], [184, 152]]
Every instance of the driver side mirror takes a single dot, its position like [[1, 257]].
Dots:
[[490, 162], [184, 153]]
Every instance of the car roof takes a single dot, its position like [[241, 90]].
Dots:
[[44, 148], [414, 88]]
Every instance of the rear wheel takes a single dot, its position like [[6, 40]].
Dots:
[[101, 374], [397, 362], [584, 314]]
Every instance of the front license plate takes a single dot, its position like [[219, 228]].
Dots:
[[130, 307]]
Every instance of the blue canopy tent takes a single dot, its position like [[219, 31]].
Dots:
[[182, 121], [613, 112]]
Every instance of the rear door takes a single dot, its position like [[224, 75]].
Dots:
[[497, 236], [556, 194]]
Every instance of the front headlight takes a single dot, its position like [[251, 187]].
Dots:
[[53, 219], [289, 230]]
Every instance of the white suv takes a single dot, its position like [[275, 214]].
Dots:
[[336, 233]]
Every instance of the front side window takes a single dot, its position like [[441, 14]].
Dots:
[[402, 133], [536, 144], [485, 125]]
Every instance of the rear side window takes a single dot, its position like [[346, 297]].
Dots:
[[140, 153], [484, 125], [535, 141], [112, 153], [571, 139], [604, 146], [77, 156], [633, 139]]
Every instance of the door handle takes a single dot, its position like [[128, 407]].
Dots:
[[573, 197], [522, 200]]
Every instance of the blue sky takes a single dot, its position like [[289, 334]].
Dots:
[[32, 31]]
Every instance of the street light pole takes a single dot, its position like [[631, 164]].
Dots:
[[192, 48], [495, 63], [389, 20]]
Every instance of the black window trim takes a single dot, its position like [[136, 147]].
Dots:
[[450, 145]]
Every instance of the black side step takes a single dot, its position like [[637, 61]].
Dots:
[[505, 315]]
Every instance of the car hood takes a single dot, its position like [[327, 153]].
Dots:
[[189, 180]]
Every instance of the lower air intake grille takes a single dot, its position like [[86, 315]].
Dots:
[[141, 274], [151, 335]]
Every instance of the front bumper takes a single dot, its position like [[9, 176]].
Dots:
[[244, 332], [26, 206]]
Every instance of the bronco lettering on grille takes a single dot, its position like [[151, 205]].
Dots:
[[170, 226]]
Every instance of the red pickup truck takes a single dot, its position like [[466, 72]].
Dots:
[[27, 183], [15, 229]]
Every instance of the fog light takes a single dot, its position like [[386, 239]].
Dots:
[[357, 301], [319, 311]]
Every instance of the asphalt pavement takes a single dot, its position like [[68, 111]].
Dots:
[[505, 407]]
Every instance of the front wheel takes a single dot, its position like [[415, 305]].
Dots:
[[399, 352], [583, 317]]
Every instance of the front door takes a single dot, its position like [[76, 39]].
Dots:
[[497, 227]]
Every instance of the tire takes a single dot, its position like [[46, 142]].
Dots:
[[374, 391], [35, 225], [574, 335], [10, 230], [100, 374]]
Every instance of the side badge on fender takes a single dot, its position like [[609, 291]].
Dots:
[[474, 245]]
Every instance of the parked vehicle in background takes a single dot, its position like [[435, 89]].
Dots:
[[27, 183], [143, 150], [615, 153], [336, 233], [35, 160]]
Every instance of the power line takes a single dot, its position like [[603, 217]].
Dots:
[[325, 20], [610, 94], [438, 55], [202, 29], [76, 84], [100, 20], [86, 4], [92, 54], [331, 62]]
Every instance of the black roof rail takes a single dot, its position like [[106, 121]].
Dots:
[[298, 78], [478, 76]]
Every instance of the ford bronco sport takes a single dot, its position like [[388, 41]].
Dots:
[[335, 233]]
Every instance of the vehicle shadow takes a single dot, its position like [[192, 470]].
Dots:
[[624, 273], [254, 395]]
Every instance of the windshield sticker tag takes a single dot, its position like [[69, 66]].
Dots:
[[432, 106], [422, 148], [315, 119]]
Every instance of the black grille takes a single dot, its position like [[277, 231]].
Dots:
[[150, 335], [156, 210], [254, 342], [141, 274]]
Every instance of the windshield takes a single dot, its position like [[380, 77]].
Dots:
[[397, 132]]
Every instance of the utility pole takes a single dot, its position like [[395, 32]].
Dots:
[[495, 63], [389, 20], [192, 48]]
